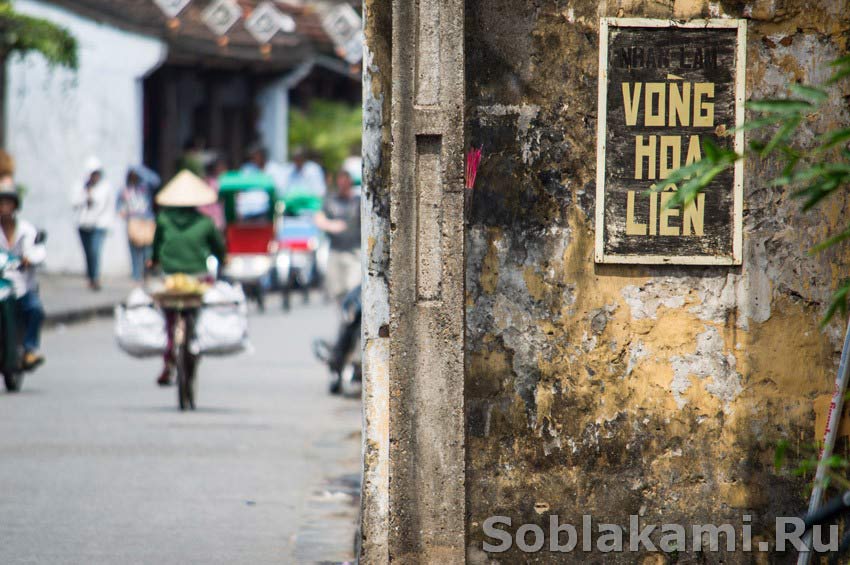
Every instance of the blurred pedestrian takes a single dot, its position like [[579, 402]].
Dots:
[[93, 201], [135, 206], [303, 176], [215, 211], [258, 162], [20, 238], [340, 219]]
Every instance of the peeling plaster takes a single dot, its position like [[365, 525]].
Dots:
[[709, 362], [645, 301]]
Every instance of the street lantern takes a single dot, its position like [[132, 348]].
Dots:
[[345, 28], [172, 7], [266, 20], [221, 15]]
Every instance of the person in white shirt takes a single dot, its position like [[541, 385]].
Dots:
[[19, 238], [298, 177], [94, 205], [302, 176]]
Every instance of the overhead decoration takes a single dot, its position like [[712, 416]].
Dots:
[[345, 27], [172, 8], [221, 15], [266, 20]]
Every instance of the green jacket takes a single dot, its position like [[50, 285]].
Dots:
[[184, 239]]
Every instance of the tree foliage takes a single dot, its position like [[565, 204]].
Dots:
[[330, 129], [813, 170], [24, 34]]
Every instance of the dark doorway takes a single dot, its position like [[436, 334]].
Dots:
[[209, 110]]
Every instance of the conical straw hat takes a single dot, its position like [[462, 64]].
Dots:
[[186, 191]]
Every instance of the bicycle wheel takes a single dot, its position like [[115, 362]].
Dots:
[[182, 378], [187, 384]]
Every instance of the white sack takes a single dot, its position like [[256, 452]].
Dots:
[[222, 326], [140, 326]]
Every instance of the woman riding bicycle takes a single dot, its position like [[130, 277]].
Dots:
[[184, 240]]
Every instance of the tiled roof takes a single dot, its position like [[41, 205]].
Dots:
[[193, 42]]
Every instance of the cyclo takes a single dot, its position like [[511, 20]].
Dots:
[[251, 212], [303, 249]]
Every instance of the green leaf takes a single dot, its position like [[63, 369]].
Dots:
[[812, 93], [782, 135], [839, 75], [757, 145], [837, 170], [826, 244], [818, 190], [680, 175], [759, 123], [779, 454], [25, 34], [832, 138], [835, 462], [710, 150], [839, 303], [841, 61], [788, 106]]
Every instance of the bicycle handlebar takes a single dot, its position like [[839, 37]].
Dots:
[[829, 511]]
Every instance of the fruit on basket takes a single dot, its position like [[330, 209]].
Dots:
[[184, 284]]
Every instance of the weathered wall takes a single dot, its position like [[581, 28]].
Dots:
[[56, 119], [631, 390]]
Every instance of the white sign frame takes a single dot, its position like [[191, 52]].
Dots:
[[601, 142]]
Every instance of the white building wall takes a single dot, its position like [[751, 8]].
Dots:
[[56, 119]]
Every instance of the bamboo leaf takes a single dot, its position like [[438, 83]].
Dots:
[[839, 303], [812, 93], [838, 238], [839, 75], [779, 455], [781, 135], [841, 61], [819, 190], [833, 138], [759, 123], [787, 106]]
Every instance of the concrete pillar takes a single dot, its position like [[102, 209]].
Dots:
[[426, 494], [414, 489]]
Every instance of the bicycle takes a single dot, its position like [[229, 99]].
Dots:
[[181, 310]]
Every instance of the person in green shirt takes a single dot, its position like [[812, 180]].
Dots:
[[184, 240], [185, 237]]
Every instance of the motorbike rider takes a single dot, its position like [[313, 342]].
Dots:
[[20, 238], [340, 219], [184, 240]]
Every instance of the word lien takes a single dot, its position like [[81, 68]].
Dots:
[[671, 104], [564, 537]]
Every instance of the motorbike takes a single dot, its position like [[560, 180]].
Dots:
[[11, 334], [344, 357]]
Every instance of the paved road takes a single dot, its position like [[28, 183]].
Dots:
[[98, 466]]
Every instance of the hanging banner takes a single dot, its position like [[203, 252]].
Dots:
[[664, 88]]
